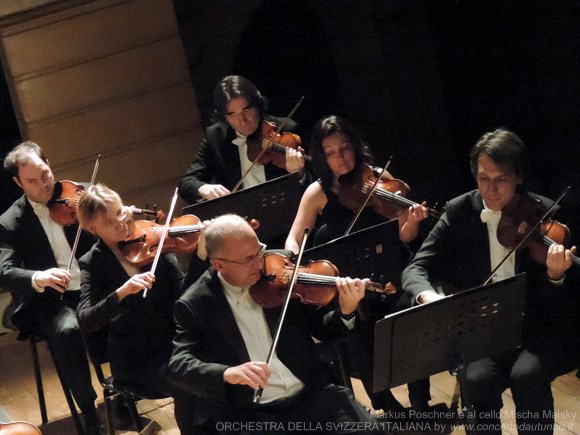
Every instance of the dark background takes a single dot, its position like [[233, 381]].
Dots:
[[422, 80]]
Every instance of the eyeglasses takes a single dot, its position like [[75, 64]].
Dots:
[[250, 260]]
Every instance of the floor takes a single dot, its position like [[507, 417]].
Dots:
[[18, 398]]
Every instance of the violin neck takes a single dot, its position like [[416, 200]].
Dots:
[[398, 199], [312, 279], [279, 148], [547, 241], [184, 229]]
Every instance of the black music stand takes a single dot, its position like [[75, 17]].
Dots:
[[273, 204], [448, 334], [364, 252]]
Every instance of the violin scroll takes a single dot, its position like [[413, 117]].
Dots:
[[63, 205], [270, 147]]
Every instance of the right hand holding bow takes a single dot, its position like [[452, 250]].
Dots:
[[135, 284], [252, 373], [56, 278]]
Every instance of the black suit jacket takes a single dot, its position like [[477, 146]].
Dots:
[[208, 341], [140, 329], [218, 160], [457, 252], [24, 250]]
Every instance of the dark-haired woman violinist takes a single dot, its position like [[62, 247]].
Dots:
[[338, 151]]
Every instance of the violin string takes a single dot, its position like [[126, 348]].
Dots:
[[310, 278], [397, 199], [182, 229], [547, 242]]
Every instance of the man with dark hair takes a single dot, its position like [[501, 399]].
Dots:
[[34, 256], [463, 249], [222, 158]]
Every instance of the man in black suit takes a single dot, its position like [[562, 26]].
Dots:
[[34, 256], [222, 156], [463, 249], [223, 339]]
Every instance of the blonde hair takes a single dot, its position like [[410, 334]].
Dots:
[[94, 200]]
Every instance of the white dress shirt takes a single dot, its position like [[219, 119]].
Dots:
[[258, 340], [497, 251], [257, 175], [59, 245]]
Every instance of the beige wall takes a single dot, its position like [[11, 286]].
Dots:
[[108, 77]]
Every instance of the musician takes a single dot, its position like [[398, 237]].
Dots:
[[34, 256], [141, 329], [223, 339], [222, 158], [462, 249], [338, 150]]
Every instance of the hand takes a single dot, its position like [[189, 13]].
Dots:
[[294, 160], [211, 191], [253, 373], [559, 260], [135, 284], [58, 279], [201, 251], [428, 296], [417, 213], [350, 292]]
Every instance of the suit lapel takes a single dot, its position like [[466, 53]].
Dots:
[[226, 325], [35, 231]]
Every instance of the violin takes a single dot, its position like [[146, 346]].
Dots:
[[19, 428], [272, 146], [182, 238], [388, 199], [63, 205], [519, 216], [315, 284]]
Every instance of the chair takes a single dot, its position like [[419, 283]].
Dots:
[[97, 348], [34, 338]]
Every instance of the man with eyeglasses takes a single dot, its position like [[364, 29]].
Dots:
[[224, 337]]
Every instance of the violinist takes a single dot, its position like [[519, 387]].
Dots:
[[34, 256], [463, 249], [338, 150], [140, 328], [223, 339], [240, 112]]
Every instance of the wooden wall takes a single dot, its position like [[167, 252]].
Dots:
[[108, 77]]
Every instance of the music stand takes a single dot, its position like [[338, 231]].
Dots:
[[449, 333], [273, 203], [364, 252]]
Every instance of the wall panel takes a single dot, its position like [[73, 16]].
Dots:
[[109, 77]]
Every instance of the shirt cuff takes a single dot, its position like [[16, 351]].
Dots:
[[416, 300], [36, 286], [556, 281]]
